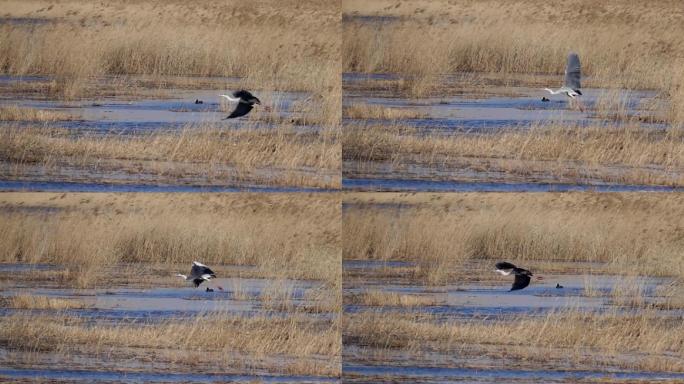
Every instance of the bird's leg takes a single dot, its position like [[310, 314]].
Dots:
[[580, 105]]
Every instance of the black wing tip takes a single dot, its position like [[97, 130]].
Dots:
[[504, 265], [578, 91]]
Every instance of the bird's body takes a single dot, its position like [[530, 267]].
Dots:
[[198, 274], [522, 276], [571, 82], [245, 102]]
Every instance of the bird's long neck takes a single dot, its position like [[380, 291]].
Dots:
[[551, 91]]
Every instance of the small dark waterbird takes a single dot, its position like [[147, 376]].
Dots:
[[198, 274], [522, 276], [245, 102]]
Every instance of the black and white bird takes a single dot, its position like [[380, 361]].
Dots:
[[571, 83], [245, 102], [522, 276], [198, 274]]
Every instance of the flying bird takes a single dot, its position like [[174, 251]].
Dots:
[[522, 276], [245, 102], [571, 83], [198, 274]]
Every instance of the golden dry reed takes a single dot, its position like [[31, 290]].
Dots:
[[645, 156], [558, 336], [15, 113], [282, 235], [221, 339], [629, 233], [279, 45], [621, 43], [203, 150], [25, 301]]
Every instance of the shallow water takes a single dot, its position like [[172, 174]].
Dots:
[[144, 377], [492, 299], [398, 184], [414, 374], [144, 114], [480, 114], [58, 186]]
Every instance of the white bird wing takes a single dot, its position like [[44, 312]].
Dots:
[[230, 98], [572, 72]]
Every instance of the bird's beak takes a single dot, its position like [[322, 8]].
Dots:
[[258, 101]]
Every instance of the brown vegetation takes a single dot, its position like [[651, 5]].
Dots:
[[40, 302], [558, 336], [205, 151], [643, 156], [224, 340], [15, 113], [283, 236], [366, 111], [629, 233], [425, 38], [273, 44]]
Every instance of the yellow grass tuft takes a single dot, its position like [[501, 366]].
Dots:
[[15, 113], [367, 111], [627, 233], [380, 298], [205, 151], [282, 236], [41, 302]]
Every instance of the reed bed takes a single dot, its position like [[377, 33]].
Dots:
[[378, 298], [283, 236], [15, 113], [367, 111], [628, 233], [594, 339], [425, 38], [24, 301], [627, 146], [204, 151], [222, 338], [271, 43]]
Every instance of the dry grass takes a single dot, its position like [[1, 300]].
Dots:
[[204, 151], [15, 113], [577, 149], [367, 111], [557, 336], [630, 233], [219, 336], [519, 36], [41, 302], [283, 236], [271, 43], [380, 298]]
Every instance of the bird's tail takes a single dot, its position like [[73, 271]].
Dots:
[[181, 275]]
